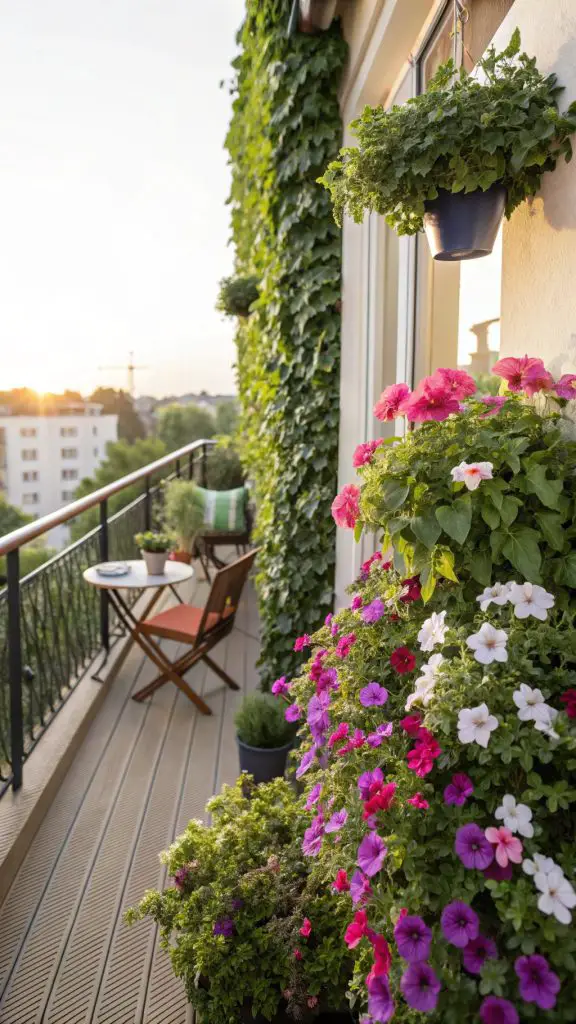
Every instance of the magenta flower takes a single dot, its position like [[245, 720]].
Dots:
[[430, 401], [390, 400], [373, 611], [477, 952], [494, 403], [373, 695], [224, 926], [339, 734], [312, 842], [420, 987], [459, 924], [327, 680], [292, 713], [301, 642], [341, 883], [507, 847], [356, 930], [318, 717], [280, 688], [458, 791], [356, 602], [305, 762], [566, 386], [181, 876], [371, 854], [306, 928], [364, 452], [498, 1011], [337, 821], [524, 374], [473, 848], [418, 801], [369, 782], [383, 732], [538, 984], [413, 938], [346, 507], [496, 873], [344, 645], [459, 383], [380, 1002], [360, 888], [313, 796]]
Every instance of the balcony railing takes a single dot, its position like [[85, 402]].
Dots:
[[52, 626]]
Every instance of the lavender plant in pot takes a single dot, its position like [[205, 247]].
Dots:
[[264, 736], [154, 548]]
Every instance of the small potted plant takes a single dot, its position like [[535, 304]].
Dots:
[[184, 515], [456, 158], [154, 548], [264, 736], [236, 295]]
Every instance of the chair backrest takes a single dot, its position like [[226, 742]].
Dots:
[[226, 590]]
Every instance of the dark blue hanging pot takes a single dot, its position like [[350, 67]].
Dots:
[[464, 225]]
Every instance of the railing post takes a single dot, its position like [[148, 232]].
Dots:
[[147, 506], [177, 468], [190, 465], [15, 667], [104, 619], [204, 467]]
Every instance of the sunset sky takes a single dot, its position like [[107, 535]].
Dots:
[[113, 181]]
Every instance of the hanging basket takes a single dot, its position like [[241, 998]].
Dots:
[[464, 225]]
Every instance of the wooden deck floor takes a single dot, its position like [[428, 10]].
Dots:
[[144, 770]]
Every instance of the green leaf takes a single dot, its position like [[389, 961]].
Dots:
[[427, 584], [397, 525], [456, 519], [548, 491], [359, 526], [509, 509], [522, 550], [444, 564], [481, 568], [426, 529], [490, 516], [568, 571], [493, 488], [551, 525], [394, 493]]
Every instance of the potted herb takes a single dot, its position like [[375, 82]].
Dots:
[[457, 157], [154, 548], [264, 736], [236, 295], [252, 931], [184, 514]]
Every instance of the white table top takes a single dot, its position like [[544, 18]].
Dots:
[[138, 578]]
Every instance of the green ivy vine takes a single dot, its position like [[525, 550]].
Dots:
[[285, 127]]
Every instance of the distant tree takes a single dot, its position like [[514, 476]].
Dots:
[[181, 424], [121, 458], [11, 518], [130, 426], [31, 555], [226, 418]]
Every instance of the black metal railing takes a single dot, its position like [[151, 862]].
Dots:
[[52, 625]]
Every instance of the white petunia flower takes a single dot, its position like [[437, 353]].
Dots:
[[530, 599], [476, 724], [424, 685], [539, 864], [488, 644], [432, 632], [497, 594], [547, 725], [531, 705], [558, 896], [516, 817], [471, 473]]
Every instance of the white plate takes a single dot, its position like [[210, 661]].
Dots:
[[113, 569]]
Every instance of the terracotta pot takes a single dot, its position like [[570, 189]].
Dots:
[[464, 225], [155, 562], [181, 556]]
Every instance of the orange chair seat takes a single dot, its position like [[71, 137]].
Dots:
[[182, 622]]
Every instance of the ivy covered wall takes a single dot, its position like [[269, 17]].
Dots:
[[285, 128]]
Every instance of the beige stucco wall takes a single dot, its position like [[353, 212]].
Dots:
[[539, 250]]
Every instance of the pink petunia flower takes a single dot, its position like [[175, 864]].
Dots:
[[524, 374], [339, 734], [494, 403], [566, 386], [419, 802], [388, 404], [430, 401], [507, 847], [306, 928], [345, 644], [280, 688], [459, 383], [346, 507], [341, 883], [301, 642], [357, 929], [363, 453]]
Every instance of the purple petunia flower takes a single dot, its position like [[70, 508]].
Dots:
[[458, 791], [292, 713], [280, 687], [360, 888], [498, 1011], [312, 842], [318, 717], [313, 796], [420, 987], [373, 611], [459, 924], [413, 938], [473, 848], [497, 873], [380, 1002], [477, 952], [305, 762], [237, 904], [383, 732], [181, 877], [327, 680], [337, 821], [223, 926], [373, 695], [538, 984], [369, 779], [371, 853]]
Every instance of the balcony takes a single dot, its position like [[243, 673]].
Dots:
[[139, 773]]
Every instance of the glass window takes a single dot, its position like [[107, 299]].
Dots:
[[95, 431], [30, 498], [29, 454], [479, 21], [69, 474], [29, 476], [27, 431], [67, 495], [439, 49], [68, 431], [69, 453]]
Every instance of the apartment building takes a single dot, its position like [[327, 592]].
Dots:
[[44, 458]]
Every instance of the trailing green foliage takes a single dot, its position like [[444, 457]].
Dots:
[[260, 722], [237, 294], [285, 127], [464, 133]]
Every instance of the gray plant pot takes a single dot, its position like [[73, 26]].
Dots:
[[155, 562], [264, 765], [464, 225]]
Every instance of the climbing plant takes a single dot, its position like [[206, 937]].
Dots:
[[285, 126]]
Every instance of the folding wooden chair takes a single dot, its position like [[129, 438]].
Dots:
[[202, 628]]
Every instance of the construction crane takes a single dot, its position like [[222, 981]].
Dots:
[[129, 367]]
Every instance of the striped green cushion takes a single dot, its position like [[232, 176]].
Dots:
[[225, 510]]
